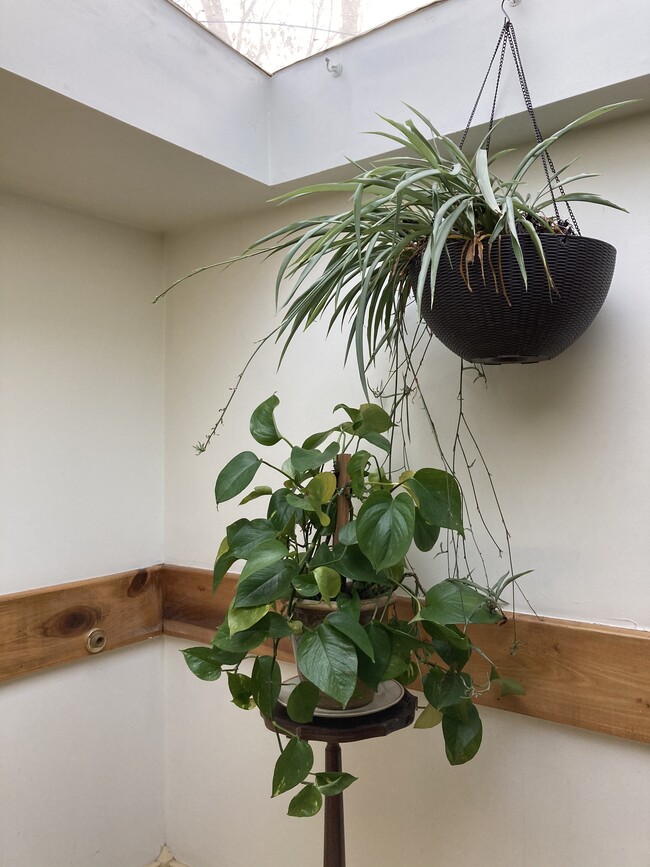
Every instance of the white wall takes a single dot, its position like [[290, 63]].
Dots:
[[537, 795], [566, 442], [80, 763], [81, 393], [435, 60]]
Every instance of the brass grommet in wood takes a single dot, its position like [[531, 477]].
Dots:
[[95, 641]]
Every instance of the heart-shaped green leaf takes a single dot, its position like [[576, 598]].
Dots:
[[328, 659], [293, 765], [439, 498], [206, 662], [429, 718], [333, 782], [462, 730], [357, 471], [425, 535], [241, 619], [385, 528], [445, 689], [304, 460], [262, 423], [265, 554], [453, 602], [235, 476], [256, 493], [372, 672], [306, 803], [353, 630], [302, 702], [265, 684], [265, 585], [241, 690], [328, 581]]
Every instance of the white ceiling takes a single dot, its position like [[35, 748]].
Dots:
[[130, 135], [54, 148]]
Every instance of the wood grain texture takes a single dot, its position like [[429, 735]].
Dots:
[[48, 626], [587, 675], [581, 674]]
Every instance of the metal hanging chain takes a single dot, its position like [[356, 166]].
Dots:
[[547, 162], [480, 93], [507, 37]]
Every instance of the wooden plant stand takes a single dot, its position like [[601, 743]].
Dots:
[[334, 732]]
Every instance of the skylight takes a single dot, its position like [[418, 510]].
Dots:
[[275, 33]]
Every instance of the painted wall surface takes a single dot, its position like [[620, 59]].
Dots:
[[82, 781], [566, 442], [435, 60], [81, 391], [537, 795]]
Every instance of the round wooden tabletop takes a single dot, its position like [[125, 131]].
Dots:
[[347, 729]]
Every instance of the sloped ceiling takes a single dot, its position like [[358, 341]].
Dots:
[[131, 111]]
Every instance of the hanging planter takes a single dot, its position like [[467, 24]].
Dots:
[[525, 296], [483, 312], [514, 281]]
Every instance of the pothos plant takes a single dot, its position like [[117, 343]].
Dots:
[[291, 553]]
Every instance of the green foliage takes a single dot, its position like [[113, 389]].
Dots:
[[262, 423], [293, 765], [302, 702], [353, 267], [291, 554], [235, 476], [306, 803]]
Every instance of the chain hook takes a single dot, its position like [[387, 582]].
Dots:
[[512, 3]]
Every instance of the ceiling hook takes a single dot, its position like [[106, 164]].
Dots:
[[512, 3], [334, 68]]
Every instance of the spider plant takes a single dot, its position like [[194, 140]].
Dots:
[[354, 266]]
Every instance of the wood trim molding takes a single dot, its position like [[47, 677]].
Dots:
[[581, 674], [48, 626], [587, 675]]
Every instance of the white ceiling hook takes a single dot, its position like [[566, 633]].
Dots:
[[336, 68]]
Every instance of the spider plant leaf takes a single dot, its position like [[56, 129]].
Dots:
[[440, 237], [483, 178], [499, 154], [516, 246], [582, 197], [416, 140], [425, 266], [536, 151], [534, 237], [329, 187]]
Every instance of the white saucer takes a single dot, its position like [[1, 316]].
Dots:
[[387, 695]]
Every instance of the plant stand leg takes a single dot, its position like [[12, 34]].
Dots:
[[334, 847]]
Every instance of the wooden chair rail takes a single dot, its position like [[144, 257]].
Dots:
[[587, 675], [49, 625]]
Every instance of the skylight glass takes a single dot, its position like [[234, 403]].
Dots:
[[275, 33]]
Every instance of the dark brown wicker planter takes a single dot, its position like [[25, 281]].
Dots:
[[484, 327]]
